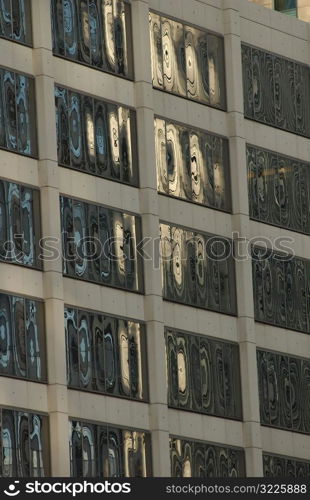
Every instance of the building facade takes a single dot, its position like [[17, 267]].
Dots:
[[154, 239], [295, 8]]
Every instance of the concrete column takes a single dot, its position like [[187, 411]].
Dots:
[[150, 220], [52, 279], [246, 327]]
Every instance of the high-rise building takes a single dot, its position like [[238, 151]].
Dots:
[[154, 239]]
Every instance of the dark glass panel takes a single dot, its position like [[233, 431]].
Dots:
[[156, 50], [174, 73]]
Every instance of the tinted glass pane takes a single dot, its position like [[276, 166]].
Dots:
[[104, 451], [203, 375], [279, 286], [17, 113], [94, 32], [15, 20], [110, 236], [19, 224], [96, 136], [276, 89], [283, 391], [201, 459], [192, 165], [187, 61], [189, 260], [24, 444]]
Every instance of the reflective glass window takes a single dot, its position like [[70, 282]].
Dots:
[[187, 61], [20, 230], [198, 269], [203, 374], [201, 459], [106, 354], [101, 450], [15, 21], [279, 191], [17, 113], [100, 245], [281, 466], [284, 390], [24, 444], [281, 286], [96, 136], [276, 90], [192, 165], [22, 341], [94, 32]]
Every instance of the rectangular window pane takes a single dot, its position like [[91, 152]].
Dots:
[[15, 21], [24, 442], [187, 61], [115, 243], [96, 33], [99, 450], [17, 113], [20, 230], [197, 269], [202, 459], [276, 90], [284, 386], [96, 136]]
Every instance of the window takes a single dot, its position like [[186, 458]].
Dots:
[[95, 33], [279, 466], [106, 354], [100, 245], [192, 165], [284, 390], [203, 375], [276, 90], [15, 21], [278, 189], [22, 342], [286, 6], [187, 61], [101, 450], [17, 113], [96, 136], [201, 459], [198, 269], [281, 287], [24, 444], [19, 224]]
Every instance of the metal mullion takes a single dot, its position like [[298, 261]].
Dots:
[[78, 348], [289, 376]]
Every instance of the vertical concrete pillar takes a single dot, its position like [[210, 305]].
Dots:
[[246, 326], [150, 221], [53, 285]]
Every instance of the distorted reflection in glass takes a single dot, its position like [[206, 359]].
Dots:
[[96, 136], [105, 354], [94, 32], [277, 189], [183, 269], [24, 442], [100, 450], [17, 113], [192, 165], [280, 283], [15, 21], [202, 459], [276, 90], [19, 224], [203, 374], [187, 61]]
